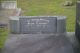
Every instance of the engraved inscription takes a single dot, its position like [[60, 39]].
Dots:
[[37, 21]]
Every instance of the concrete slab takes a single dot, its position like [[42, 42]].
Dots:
[[39, 43]]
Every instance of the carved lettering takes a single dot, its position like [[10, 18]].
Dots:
[[38, 21]]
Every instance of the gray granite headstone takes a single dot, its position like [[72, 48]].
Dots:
[[9, 4], [41, 36], [38, 24]]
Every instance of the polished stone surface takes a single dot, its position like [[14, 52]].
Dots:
[[39, 43]]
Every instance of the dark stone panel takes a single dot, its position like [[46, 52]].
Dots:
[[34, 25]]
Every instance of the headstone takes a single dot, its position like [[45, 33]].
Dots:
[[9, 4], [38, 24], [37, 43]]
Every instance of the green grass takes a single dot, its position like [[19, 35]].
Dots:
[[49, 8], [3, 36]]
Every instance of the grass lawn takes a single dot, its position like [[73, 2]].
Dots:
[[3, 36], [49, 7]]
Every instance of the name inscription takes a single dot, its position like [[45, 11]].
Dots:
[[37, 21]]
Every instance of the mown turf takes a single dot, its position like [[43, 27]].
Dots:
[[3, 36], [49, 8]]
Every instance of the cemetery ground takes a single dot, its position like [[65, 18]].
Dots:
[[44, 7]]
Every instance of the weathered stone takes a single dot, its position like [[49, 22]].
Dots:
[[37, 43], [38, 24], [61, 24]]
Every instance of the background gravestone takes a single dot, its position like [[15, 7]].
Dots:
[[9, 4]]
